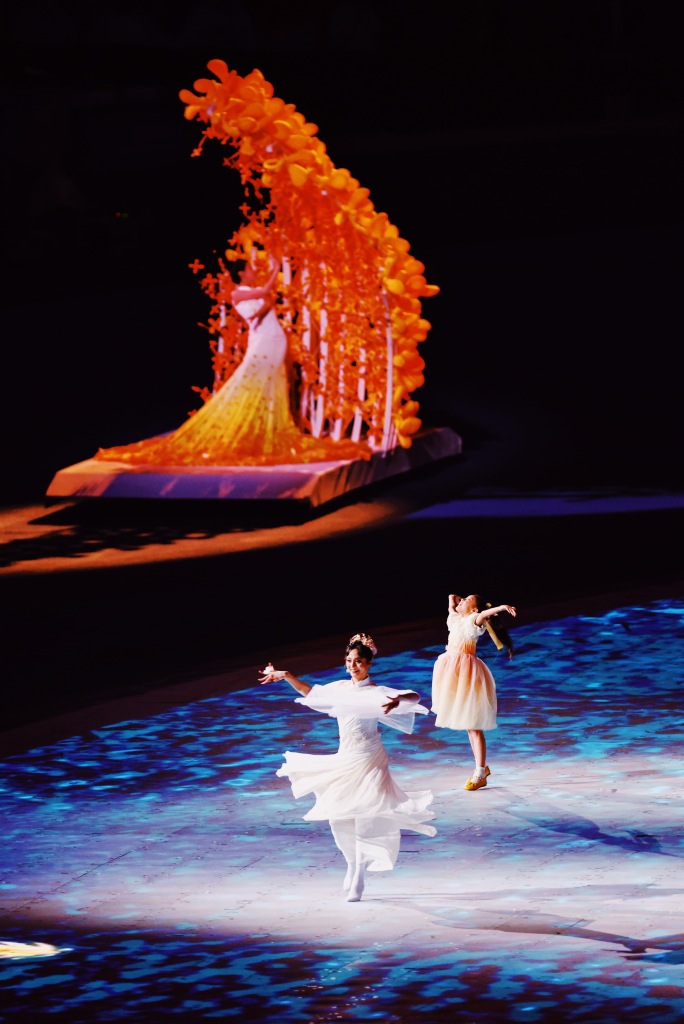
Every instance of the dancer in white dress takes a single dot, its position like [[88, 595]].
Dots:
[[249, 418], [248, 421], [354, 789], [463, 687]]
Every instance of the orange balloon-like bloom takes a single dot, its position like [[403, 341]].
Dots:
[[348, 294]]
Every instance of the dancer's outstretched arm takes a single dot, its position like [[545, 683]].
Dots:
[[272, 675], [486, 613], [411, 696]]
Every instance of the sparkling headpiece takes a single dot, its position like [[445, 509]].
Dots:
[[366, 639]]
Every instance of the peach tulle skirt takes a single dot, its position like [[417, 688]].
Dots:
[[463, 692]]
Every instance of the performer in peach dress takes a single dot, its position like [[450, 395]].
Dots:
[[463, 687]]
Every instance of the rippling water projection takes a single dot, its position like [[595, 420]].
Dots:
[[169, 873]]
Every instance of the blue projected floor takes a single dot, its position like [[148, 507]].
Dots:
[[174, 874]]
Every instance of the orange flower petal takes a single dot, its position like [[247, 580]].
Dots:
[[298, 174]]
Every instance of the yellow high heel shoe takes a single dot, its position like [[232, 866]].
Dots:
[[475, 783]]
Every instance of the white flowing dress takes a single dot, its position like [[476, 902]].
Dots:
[[354, 789]]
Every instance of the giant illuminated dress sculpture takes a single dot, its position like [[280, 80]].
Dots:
[[315, 346]]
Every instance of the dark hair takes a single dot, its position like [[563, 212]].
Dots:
[[363, 646], [496, 625]]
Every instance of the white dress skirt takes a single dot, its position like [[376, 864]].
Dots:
[[354, 789]]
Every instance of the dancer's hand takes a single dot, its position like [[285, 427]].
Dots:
[[394, 703], [272, 675], [510, 609]]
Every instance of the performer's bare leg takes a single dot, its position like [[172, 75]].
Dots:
[[478, 744]]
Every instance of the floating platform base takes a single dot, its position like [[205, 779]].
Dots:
[[313, 482]]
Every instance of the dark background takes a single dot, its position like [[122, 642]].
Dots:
[[531, 153]]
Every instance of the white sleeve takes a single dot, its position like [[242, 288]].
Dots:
[[477, 630], [405, 706], [335, 699], [402, 717], [323, 698]]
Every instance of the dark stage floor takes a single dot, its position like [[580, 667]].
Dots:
[[103, 601]]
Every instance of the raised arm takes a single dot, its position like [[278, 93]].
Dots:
[[453, 601], [272, 675], [487, 613], [245, 291]]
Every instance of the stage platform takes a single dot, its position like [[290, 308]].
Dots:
[[314, 483]]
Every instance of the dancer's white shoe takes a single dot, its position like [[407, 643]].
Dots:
[[357, 885], [349, 877]]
